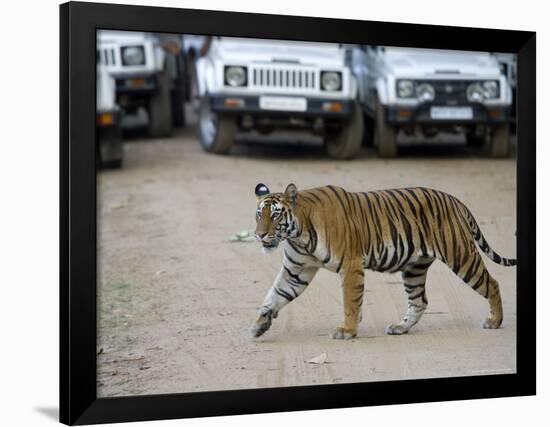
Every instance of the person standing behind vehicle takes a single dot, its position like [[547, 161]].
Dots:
[[175, 67]]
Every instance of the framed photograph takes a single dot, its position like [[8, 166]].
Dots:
[[266, 213]]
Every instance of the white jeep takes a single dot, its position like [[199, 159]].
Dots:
[[266, 85], [108, 122], [146, 76], [423, 91]]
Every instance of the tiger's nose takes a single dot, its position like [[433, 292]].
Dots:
[[260, 236]]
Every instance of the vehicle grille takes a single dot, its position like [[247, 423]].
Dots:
[[283, 78], [450, 91], [106, 56]]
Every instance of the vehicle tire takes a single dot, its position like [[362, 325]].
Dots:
[[111, 164], [216, 131], [109, 147], [499, 144], [385, 136], [473, 140], [160, 108], [346, 144]]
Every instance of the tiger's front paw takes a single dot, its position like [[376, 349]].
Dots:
[[491, 323], [262, 324], [342, 334]]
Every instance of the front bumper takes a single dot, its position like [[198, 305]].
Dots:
[[315, 107], [421, 114]]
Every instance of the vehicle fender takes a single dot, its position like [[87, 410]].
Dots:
[[206, 78], [509, 94], [382, 90], [106, 91], [353, 87]]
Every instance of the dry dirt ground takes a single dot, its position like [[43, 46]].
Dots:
[[176, 298]]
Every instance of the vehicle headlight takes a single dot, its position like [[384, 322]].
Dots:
[[491, 89], [425, 92], [235, 76], [331, 80], [405, 88], [132, 55], [475, 93]]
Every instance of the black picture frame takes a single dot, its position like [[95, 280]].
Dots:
[[78, 401]]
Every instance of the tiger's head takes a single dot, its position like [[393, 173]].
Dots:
[[275, 219]]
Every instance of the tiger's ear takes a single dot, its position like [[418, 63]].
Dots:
[[291, 193], [261, 190]]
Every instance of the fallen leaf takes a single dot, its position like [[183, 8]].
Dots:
[[318, 360], [242, 236]]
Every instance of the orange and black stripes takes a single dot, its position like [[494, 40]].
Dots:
[[388, 231], [390, 228]]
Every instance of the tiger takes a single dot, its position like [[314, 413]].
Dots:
[[397, 230]]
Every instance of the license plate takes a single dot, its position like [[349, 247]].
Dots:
[[281, 103], [451, 113], [135, 82]]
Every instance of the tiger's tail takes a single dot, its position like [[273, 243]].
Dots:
[[483, 245]]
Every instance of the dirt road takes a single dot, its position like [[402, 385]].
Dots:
[[176, 298]]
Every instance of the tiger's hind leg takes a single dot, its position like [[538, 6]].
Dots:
[[475, 274], [414, 278]]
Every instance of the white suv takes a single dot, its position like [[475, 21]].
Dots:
[[246, 84], [146, 76], [423, 91], [108, 122]]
